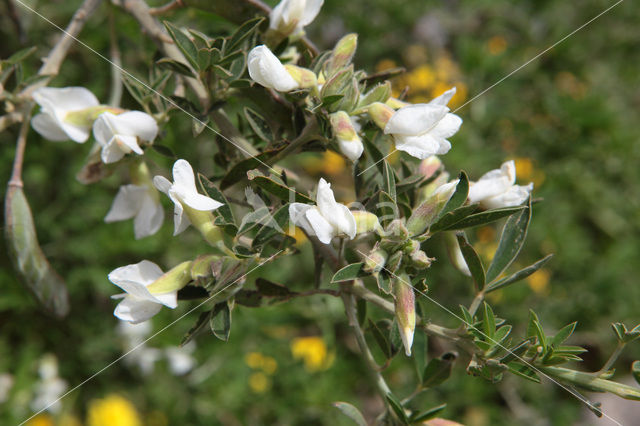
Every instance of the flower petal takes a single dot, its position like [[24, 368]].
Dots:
[[180, 220], [267, 70], [162, 184], [76, 133], [351, 149], [515, 196], [144, 273], [48, 127], [170, 300], [444, 98], [415, 119], [65, 98], [321, 227], [136, 310], [325, 199], [103, 128], [200, 202], [311, 10], [126, 204], [183, 178], [149, 218], [112, 152], [343, 220], [297, 215], [420, 146], [447, 127], [136, 123]]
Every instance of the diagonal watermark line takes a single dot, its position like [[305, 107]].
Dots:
[[151, 337], [512, 72], [449, 311], [133, 77]]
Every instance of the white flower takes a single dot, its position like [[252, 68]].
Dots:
[[50, 388], [183, 190], [497, 188], [421, 130], [138, 353], [325, 220], [118, 134], [180, 359], [267, 70], [291, 16], [141, 202], [346, 129], [138, 303], [56, 103], [6, 383]]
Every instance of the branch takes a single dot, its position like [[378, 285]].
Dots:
[[116, 63], [161, 10], [16, 173]]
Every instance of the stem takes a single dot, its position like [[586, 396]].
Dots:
[[56, 56], [612, 359], [116, 63], [161, 10], [476, 303], [307, 134], [21, 144], [232, 133], [351, 310]]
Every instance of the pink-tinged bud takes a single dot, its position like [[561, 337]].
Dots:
[[411, 247], [305, 78], [424, 215], [380, 114], [172, 280], [375, 260], [429, 166], [405, 309], [397, 231], [346, 135], [342, 53], [394, 262], [420, 260], [342, 83]]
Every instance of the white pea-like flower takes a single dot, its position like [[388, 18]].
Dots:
[[141, 203], [421, 130], [325, 220], [291, 16], [183, 191], [267, 70], [497, 188], [119, 134], [138, 303], [54, 121]]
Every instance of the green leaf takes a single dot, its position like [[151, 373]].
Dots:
[[534, 329], [520, 275], [459, 196], [426, 415], [379, 93], [483, 218], [451, 218], [196, 328], [620, 330], [381, 339], [175, 66], [242, 33], [438, 370], [238, 172], [489, 323], [274, 226], [349, 273], [220, 322], [184, 43], [523, 371], [163, 150], [271, 289], [277, 188], [384, 282], [397, 408], [466, 316], [30, 263], [387, 208], [419, 352], [563, 334], [472, 259], [258, 124], [635, 371], [330, 100], [20, 55], [225, 210], [350, 411], [389, 181], [511, 241]]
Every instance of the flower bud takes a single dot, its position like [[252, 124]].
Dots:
[[348, 139], [380, 114], [420, 260], [429, 166], [201, 267], [342, 53], [397, 231], [411, 246], [453, 249], [172, 280], [366, 222], [423, 216], [380, 93], [405, 309], [305, 78], [396, 103], [394, 261], [344, 84], [375, 260]]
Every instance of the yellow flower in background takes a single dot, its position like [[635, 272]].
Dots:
[[313, 351], [69, 420], [421, 78], [539, 281], [385, 64], [496, 45], [257, 361], [329, 163], [259, 382], [253, 359], [526, 171], [113, 410], [41, 420], [486, 234]]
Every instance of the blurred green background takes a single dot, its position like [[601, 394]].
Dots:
[[569, 119]]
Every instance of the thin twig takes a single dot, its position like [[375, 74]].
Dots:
[[116, 63], [16, 173], [169, 7]]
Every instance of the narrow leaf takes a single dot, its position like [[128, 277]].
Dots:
[[472, 259], [426, 415], [349, 272], [483, 218], [350, 411], [225, 210], [459, 196], [397, 408], [220, 322], [276, 188], [518, 276], [184, 43], [389, 181], [258, 124]]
